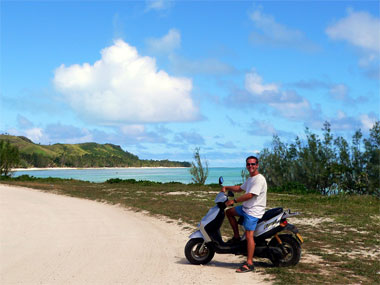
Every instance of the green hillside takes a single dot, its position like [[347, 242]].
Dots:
[[80, 155]]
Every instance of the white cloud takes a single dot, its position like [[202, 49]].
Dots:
[[275, 34], [167, 43], [158, 4], [23, 122], [368, 121], [294, 110], [204, 66], [57, 132], [133, 129], [35, 134], [228, 144], [265, 128], [253, 83], [360, 29], [53, 133], [125, 135], [285, 103], [261, 128], [339, 91], [125, 87], [190, 137], [278, 31], [341, 114], [343, 122]]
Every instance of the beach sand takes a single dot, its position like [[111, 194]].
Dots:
[[53, 239]]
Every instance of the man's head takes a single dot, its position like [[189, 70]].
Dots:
[[252, 157], [252, 163]]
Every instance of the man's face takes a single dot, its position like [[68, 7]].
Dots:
[[252, 165]]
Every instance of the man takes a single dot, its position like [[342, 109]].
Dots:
[[253, 208]]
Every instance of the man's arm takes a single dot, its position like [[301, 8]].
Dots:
[[242, 198], [231, 188]]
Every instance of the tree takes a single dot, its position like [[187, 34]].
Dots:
[[198, 171], [9, 157], [328, 165], [244, 175], [372, 158]]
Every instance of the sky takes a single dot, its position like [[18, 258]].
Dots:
[[162, 78]]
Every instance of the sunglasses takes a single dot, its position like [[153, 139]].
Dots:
[[251, 164]]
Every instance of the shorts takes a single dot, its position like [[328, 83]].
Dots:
[[249, 222]]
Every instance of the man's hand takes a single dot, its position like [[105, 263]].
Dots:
[[229, 203], [223, 189]]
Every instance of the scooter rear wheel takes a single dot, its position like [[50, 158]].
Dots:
[[193, 254], [292, 248]]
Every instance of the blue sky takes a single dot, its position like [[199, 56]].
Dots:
[[160, 78]]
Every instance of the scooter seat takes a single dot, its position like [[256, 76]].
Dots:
[[270, 214], [267, 215]]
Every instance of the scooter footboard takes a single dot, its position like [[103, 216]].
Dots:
[[267, 251]]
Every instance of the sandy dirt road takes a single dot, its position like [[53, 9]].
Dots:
[[53, 239]]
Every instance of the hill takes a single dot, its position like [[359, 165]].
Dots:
[[80, 155]]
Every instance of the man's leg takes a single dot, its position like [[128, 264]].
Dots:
[[231, 213], [250, 246], [246, 267]]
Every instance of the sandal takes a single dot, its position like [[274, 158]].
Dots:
[[245, 268]]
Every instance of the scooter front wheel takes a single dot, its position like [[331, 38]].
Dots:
[[197, 255]]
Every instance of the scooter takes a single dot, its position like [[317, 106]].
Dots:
[[275, 238]]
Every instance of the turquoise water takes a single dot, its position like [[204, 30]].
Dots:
[[231, 175]]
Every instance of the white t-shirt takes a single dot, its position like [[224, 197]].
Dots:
[[256, 185]]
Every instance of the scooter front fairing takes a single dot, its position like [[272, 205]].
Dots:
[[209, 217]]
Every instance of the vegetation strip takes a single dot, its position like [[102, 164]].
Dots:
[[75, 155], [341, 244]]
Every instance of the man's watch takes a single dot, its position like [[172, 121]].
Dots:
[[235, 201]]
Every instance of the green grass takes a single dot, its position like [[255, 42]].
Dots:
[[341, 247]]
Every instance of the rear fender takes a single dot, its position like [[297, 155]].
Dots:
[[295, 231], [291, 228]]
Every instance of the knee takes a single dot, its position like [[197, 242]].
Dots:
[[249, 235], [229, 212]]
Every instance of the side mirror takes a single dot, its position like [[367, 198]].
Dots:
[[221, 180]]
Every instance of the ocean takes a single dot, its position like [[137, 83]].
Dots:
[[231, 175]]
